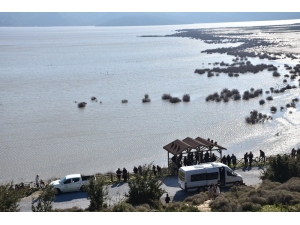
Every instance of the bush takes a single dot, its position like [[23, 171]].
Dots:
[[166, 96], [210, 98], [276, 74], [261, 102], [81, 104], [236, 97], [9, 198], [146, 99], [45, 200], [97, 193], [282, 168], [273, 109], [123, 207], [186, 98], [196, 199], [145, 189], [269, 98], [175, 100]]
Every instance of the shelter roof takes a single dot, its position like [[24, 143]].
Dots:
[[177, 147], [209, 144], [192, 142]]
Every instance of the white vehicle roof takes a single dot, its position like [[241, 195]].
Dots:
[[203, 166], [73, 176]]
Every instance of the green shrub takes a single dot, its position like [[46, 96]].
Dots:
[[44, 201], [9, 198], [186, 98], [97, 193], [223, 204], [123, 207], [196, 199], [145, 188], [292, 184], [282, 168], [143, 208], [166, 96], [73, 209]]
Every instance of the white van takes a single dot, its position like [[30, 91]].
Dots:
[[202, 175]]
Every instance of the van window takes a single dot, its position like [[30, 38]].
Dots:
[[212, 176], [198, 177], [181, 175]]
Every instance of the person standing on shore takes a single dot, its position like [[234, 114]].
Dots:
[[210, 191], [213, 157], [293, 153], [140, 170], [154, 170], [158, 170], [224, 160], [206, 157], [246, 159], [167, 199], [124, 174], [37, 181], [233, 159], [119, 172], [250, 159], [262, 156], [228, 160], [184, 161], [135, 170]]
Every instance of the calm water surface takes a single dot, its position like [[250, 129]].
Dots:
[[43, 71]]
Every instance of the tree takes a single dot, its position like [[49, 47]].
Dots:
[[44, 201], [97, 193], [282, 168], [9, 198], [145, 188]]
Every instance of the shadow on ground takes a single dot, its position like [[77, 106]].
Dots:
[[64, 197]]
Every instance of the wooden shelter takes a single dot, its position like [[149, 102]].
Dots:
[[189, 145]]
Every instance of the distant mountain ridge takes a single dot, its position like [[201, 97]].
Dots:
[[41, 19]]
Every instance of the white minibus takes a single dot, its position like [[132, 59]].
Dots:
[[202, 175]]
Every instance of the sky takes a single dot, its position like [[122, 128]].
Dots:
[[147, 6]]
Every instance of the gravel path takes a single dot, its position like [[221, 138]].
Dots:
[[117, 191]]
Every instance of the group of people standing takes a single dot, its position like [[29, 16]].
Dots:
[[137, 170], [122, 173], [295, 152], [249, 157], [214, 191], [227, 160], [194, 158], [39, 183]]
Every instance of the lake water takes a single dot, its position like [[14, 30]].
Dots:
[[43, 71]]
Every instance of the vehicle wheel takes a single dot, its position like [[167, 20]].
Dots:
[[81, 188], [58, 191]]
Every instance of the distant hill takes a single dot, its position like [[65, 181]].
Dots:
[[21, 19]]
